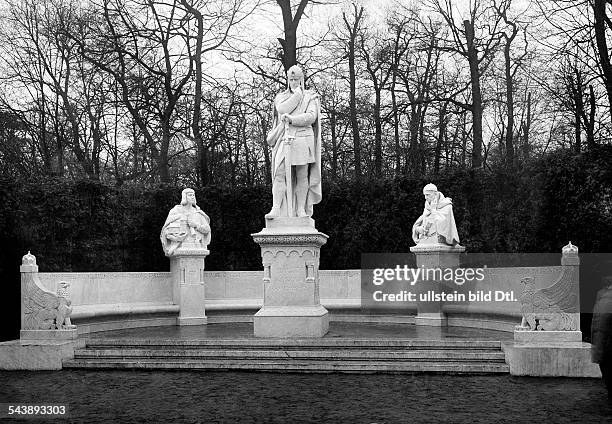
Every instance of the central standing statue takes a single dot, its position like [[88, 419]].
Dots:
[[296, 149]]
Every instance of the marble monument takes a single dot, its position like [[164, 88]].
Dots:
[[185, 237], [290, 243]]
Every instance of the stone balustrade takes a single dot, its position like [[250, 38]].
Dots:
[[111, 300]]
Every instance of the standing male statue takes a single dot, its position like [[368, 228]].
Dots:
[[437, 223], [186, 225], [296, 149]]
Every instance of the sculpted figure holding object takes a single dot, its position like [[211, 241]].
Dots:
[[186, 225], [437, 223], [296, 149]]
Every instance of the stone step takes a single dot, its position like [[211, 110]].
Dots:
[[300, 344], [319, 355], [295, 366]]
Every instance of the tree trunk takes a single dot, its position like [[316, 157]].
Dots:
[[472, 55], [576, 92], [290, 25], [441, 136], [334, 146], [162, 161], [590, 125], [377, 134], [599, 14], [527, 129], [352, 29], [509, 104], [413, 160], [396, 134], [197, 102]]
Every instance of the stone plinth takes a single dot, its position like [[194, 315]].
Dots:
[[290, 250], [545, 337], [433, 256], [187, 270]]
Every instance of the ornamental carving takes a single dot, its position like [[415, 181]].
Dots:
[[41, 308], [554, 308], [296, 240]]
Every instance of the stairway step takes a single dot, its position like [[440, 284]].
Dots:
[[399, 355], [300, 344], [296, 366]]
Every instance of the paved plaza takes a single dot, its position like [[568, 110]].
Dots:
[[336, 330], [254, 397], [244, 397]]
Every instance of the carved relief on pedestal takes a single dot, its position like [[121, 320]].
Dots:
[[554, 308], [265, 240], [41, 308]]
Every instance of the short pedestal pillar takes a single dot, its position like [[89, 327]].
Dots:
[[290, 249], [187, 269], [429, 257]]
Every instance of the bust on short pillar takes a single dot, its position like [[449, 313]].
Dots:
[[437, 246], [185, 237]]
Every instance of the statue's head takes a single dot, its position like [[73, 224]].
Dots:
[[430, 191], [295, 78], [188, 197]]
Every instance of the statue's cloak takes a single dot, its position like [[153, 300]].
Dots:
[[175, 214], [440, 214], [279, 151]]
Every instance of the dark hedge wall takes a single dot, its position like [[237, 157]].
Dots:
[[90, 226]]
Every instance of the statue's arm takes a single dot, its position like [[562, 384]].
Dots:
[[445, 210], [173, 215], [307, 118], [205, 227], [289, 104]]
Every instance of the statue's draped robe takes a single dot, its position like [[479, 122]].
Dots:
[[305, 110], [178, 213], [438, 214]]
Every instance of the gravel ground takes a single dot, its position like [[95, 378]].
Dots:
[[220, 397]]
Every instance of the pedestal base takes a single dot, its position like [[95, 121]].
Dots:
[[291, 321], [187, 269], [569, 359], [433, 255], [192, 310], [192, 321], [48, 334], [433, 319], [290, 254], [547, 337], [41, 354]]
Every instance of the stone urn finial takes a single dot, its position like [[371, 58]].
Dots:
[[570, 249], [28, 259]]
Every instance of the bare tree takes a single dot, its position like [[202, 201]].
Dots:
[[377, 54], [352, 25], [476, 40]]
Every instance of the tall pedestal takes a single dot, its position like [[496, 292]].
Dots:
[[187, 269], [290, 250], [432, 256]]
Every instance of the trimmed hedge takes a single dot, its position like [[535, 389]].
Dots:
[[90, 226]]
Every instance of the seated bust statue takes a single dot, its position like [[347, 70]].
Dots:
[[186, 226], [437, 223]]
